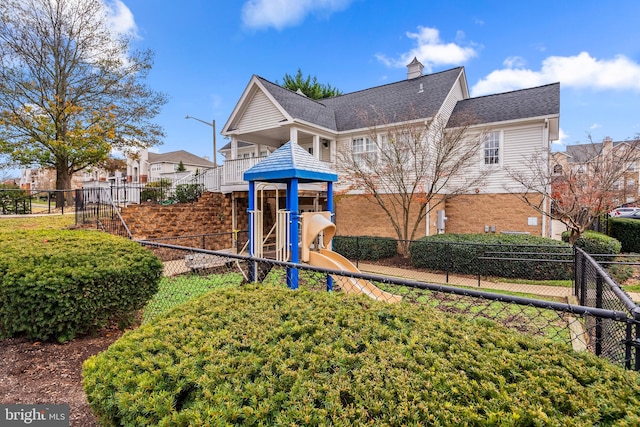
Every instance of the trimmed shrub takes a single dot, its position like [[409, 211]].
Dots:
[[56, 284], [593, 242], [365, 248], [270, 356], [627, 231], [496, 255], [186, 193]]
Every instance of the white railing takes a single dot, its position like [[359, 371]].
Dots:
[[235, 169]]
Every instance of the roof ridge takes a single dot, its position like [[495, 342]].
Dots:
[[512, 91], [318, 101]]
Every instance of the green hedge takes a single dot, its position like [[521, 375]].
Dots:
[[593, 242], [271, 356], [365, 248], [627, 231], [464, 253], [56, 284]]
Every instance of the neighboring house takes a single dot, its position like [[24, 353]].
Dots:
[[144, 166], [522, 123], [581, 157], [43, 179]]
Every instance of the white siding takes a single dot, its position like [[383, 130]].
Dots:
[[260, 114], [449, 104], [517, 147]]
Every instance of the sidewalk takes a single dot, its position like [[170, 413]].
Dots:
[[383, 270], [542, 290]]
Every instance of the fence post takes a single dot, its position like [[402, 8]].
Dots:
[[628, 342], [583, 280], [447, 252], [598, 319], [357, 251]]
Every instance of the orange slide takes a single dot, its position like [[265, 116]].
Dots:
[[313, 223]]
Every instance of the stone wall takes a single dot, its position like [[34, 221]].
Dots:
[[212, 213]]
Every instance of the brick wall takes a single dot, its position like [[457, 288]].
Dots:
[[358, 216], [210, 214], [507, 212]]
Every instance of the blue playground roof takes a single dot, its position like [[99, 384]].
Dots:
[[288, 162]]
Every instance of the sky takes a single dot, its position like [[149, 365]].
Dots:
[[207, 50]]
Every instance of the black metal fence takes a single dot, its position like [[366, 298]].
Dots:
[[595, 288], [190, 272], [15, 201], [96, 206]]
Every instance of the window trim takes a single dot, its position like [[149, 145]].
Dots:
[[499, 154]]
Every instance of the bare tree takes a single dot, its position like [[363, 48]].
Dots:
[[409, 168], [70, 89], [580, 190]]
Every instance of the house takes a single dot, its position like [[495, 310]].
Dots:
[[144, 166], [582, 158], [43, 179], [521, 123]]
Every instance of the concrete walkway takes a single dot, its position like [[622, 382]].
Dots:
[[422, 276], [383, 270]]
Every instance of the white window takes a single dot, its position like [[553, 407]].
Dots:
[[631, 167], [557, 170], [631, 183], [492, 148], [364, 148], [264, 153]]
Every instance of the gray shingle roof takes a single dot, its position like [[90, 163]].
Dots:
[[241, 144], [178, 156], [518, 104], [420, 97], [300, 106]]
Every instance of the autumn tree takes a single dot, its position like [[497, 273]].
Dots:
[[309, 86], [581, 189], [411, 167], [71, 89]]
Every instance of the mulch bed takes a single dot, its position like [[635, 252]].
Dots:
[[50, 373]]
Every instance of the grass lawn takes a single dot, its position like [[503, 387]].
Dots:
[[44, 222]]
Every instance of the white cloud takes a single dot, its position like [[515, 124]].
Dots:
[[120, 18], [595, 126], [579, 71], [262, 14], [561, 143], [431, 51]]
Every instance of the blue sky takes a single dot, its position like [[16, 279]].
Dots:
[[206, 52]]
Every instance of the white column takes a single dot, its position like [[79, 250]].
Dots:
[[316, 146], [332, 150], [234, 148], [293, 135]]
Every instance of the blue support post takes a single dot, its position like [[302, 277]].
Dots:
[[292, 206], [252, 241], [330, 209]]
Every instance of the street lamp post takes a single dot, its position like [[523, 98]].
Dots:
[[213, 125]]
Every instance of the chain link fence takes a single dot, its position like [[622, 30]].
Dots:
[[610, 331]]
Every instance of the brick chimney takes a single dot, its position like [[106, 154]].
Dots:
[[414, 69]]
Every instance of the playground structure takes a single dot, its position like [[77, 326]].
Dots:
[[292, 165]]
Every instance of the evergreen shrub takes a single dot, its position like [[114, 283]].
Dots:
[[272, 356], [56, 284], [467, 253], [593, 242], [627, 231], [365, 248]]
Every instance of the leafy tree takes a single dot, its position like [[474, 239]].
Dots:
[[309, 86], [181, 167], [71, 91], [411, 167], [579, 193]]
